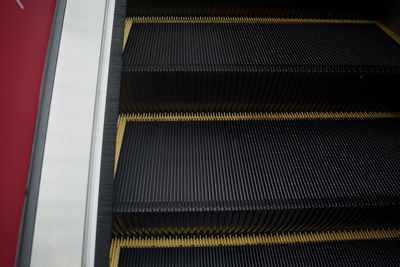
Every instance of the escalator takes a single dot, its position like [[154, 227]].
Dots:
[[259, 133]]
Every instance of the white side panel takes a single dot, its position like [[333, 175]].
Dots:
[[67, 206]]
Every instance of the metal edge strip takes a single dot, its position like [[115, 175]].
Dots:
[[35, 167], [106, 183], [96, 154]]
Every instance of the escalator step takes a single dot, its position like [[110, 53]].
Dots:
[[374, 253], [219, 174], [258, 65]]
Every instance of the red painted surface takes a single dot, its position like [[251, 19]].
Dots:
[[23, 43]]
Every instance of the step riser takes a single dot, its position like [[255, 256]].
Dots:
[[254, 91], [252, 222]]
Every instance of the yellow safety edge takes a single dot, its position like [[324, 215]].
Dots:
[[389, 31], [242, 20], [237, 116], [245, 240], [127, 29]]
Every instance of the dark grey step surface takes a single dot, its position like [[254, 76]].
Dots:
[[259, 67], [263, 175]]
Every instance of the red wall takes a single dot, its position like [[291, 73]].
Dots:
[[24, 36]]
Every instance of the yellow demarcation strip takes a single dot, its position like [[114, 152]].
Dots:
[[242, 20], [245, 240], [237, 116], [127, 29], [118, 143], [389, 32]]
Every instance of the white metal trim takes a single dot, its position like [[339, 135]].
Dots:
[[65, 226]]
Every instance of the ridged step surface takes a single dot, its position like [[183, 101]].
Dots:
[[248, 176], [264, 8], [271, 66], [365, 253]]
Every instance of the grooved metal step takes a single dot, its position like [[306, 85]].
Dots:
[[265, 8], [259, 64], [221, 174]]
